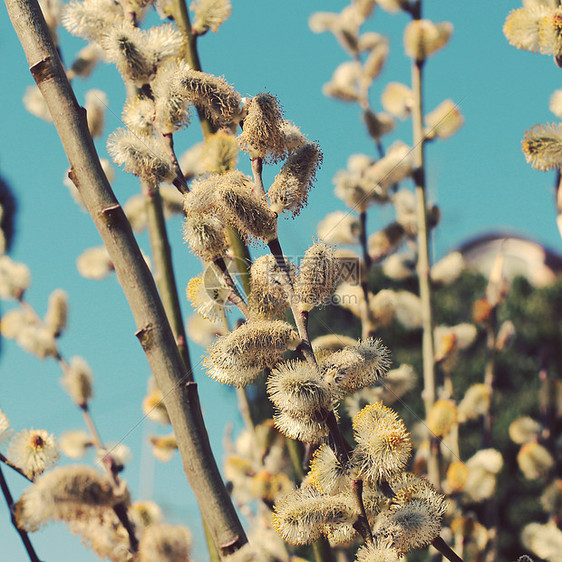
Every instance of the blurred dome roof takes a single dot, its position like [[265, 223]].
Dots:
[[522, 257]]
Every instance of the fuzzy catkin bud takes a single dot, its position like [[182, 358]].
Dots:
[[95, 263], [90, 18], [239, 357], [422, 38], [142, 156], [542, 146], [327, 474], [209, 14], [15, 278], [165, 543], [317, 277], [220, 151], [268, 298], [289, 191], [356, 367], [345, 81], [96, 102], [534, 460], [300, 516], [263, 135], [444, 121], [33, 451], [219, 101], [209, 294], [74, 444], [242, 208], [524, 430], [57, 312], [296, 387], [397, 99], [77, 381], [138, 115], [170, 100], [65, 494], [409, 526], [85, 61], [339, 227], [442, 417], [385, 241]]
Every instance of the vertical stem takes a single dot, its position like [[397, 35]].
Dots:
[[423, 246], [423, 237], [363, 240], [23, 534], [164, 269], [191, 55], [257, 169]]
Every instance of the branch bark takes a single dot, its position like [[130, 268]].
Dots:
[[180, 395]]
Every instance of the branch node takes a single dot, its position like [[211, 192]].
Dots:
[[144, 335]]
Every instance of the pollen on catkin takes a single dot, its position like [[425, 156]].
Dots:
[[237, 358], [542, 146], [289, 191], [33, 451], [356, 367], [263, 134], [208, 294], [442, 417], [143, 156], [422, 38], [383, 443], [317, 277], [65, 494], [327, 474], [296, 387]]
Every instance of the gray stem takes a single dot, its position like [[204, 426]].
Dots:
[[153, 330]]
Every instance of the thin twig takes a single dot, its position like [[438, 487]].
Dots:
[[23, 534], [15, 467]]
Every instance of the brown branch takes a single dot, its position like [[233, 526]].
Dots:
[[180, 396]]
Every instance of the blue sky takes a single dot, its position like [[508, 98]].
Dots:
[[478, 177]]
